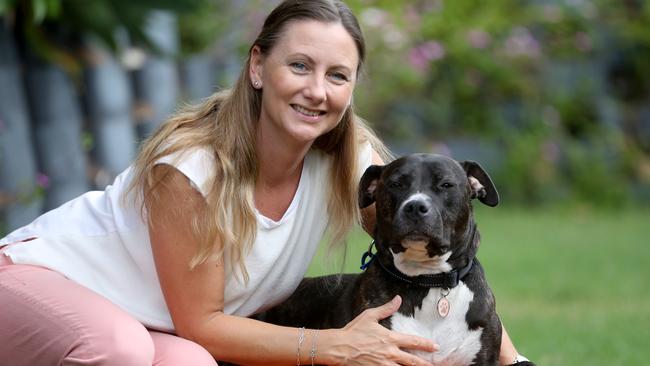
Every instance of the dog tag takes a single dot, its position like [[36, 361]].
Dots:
[[443, 307]]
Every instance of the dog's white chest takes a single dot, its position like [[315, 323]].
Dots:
[[458, 344]]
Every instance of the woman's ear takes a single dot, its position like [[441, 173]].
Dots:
[[255, 71]]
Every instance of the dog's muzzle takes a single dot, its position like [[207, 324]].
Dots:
[[418, 222]]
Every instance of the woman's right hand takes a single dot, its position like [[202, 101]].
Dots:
[[364, 341]]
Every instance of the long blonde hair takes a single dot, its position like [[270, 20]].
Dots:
[[225, 124]]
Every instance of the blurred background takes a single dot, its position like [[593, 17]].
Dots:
[[552, 97]]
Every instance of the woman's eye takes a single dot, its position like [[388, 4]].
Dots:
[[298, 66], [339, 77]]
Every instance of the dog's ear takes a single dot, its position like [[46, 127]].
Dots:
[[480, 183], [368, 185]]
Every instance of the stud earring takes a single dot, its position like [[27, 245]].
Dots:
[[257, 84]]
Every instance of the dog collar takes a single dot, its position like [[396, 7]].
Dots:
[[445, 280]]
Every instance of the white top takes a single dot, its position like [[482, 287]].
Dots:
[[102, 243]]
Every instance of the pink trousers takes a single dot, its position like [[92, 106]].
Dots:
[[46, 319]]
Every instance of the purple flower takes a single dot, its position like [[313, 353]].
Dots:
[[522, 43], [478, 38], [42, 180], [422, 55]]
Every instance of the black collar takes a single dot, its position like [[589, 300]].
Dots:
[[444, 280]]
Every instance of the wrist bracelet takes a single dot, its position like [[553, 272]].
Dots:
[[519, 358], [312, 353], [301, 339]]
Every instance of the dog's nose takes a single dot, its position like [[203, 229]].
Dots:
[[417, 209]]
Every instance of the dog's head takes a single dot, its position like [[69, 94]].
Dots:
[[424, 212]]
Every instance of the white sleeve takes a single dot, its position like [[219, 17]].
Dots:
[[197, 165]]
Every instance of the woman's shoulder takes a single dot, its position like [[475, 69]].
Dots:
[[197, 163]]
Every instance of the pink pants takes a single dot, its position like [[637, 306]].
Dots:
[[46, 319]]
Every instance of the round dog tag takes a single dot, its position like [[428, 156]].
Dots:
[[443, 307]]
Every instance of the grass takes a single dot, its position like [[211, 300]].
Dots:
[[572, 285]]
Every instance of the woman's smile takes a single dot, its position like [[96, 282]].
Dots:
[[308, 114]]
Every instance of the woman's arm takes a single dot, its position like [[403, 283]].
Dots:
[[508, 351], [195, 299]]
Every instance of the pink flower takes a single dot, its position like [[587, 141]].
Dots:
[[42, 180], [420, 57], [478, 38], [522, 43]]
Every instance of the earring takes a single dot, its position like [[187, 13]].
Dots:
[[257, 84]]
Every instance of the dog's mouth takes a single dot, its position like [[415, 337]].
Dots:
[[422, 245], [416, 260], [415, 241], [419, 252]]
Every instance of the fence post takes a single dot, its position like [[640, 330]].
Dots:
[[156, 83], [108, 100], [56, 119], [20, 202], [198, 76]]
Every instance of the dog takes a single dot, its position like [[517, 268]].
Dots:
[[426, 243]]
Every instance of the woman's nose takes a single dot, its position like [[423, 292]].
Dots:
[[315, 89]]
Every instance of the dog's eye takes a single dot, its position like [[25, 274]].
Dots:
[[447, 185], [394, 184]]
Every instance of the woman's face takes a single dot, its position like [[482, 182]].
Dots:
[[307, 81]]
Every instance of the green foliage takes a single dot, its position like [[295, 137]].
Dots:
[[52, 28], [564, 78], [199, 27], [593, 178]]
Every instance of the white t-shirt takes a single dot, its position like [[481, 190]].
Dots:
[[102, 243]]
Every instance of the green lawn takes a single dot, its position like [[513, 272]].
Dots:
[[572, 285]]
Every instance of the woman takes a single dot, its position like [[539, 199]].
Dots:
[[217, 219]]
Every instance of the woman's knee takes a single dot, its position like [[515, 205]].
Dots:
[[127, 344], [173, 350]]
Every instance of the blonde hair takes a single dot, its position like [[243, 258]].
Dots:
[[225, 124]]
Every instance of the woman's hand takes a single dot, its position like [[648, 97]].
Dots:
[[364, 341]]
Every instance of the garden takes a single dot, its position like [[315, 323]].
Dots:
[[552, 97]]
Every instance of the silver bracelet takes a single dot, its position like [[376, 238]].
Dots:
[[312, 353], [519, 358], [301, 339]]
